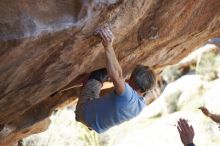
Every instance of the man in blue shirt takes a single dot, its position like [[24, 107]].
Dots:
[[125, 103]]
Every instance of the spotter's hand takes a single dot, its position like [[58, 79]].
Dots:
[[186, 132], [205, 111]]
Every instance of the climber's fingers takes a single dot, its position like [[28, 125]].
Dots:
[[110, 32], [107, 35], [103, 36], [106, 27]]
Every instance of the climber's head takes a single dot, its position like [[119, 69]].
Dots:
[[142, 79]]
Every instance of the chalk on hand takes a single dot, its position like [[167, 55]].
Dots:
[[97, 31]]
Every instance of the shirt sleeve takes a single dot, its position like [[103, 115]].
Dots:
[[126, 95]]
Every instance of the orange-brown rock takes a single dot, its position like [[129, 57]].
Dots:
[[46, 45]]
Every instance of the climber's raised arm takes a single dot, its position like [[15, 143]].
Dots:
[[112, 64]]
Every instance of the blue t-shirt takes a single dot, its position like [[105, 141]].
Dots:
[[111, 109]]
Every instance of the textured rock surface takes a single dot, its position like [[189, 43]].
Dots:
[[46, 45], [12, 139]]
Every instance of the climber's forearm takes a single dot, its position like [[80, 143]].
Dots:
[[215, 117], [114, 69], [112, 64]]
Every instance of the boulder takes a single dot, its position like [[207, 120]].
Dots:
[[47, 45]]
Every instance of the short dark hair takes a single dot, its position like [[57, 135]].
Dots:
[[144, 77]]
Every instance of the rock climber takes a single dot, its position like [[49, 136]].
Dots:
[[124, 103]]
